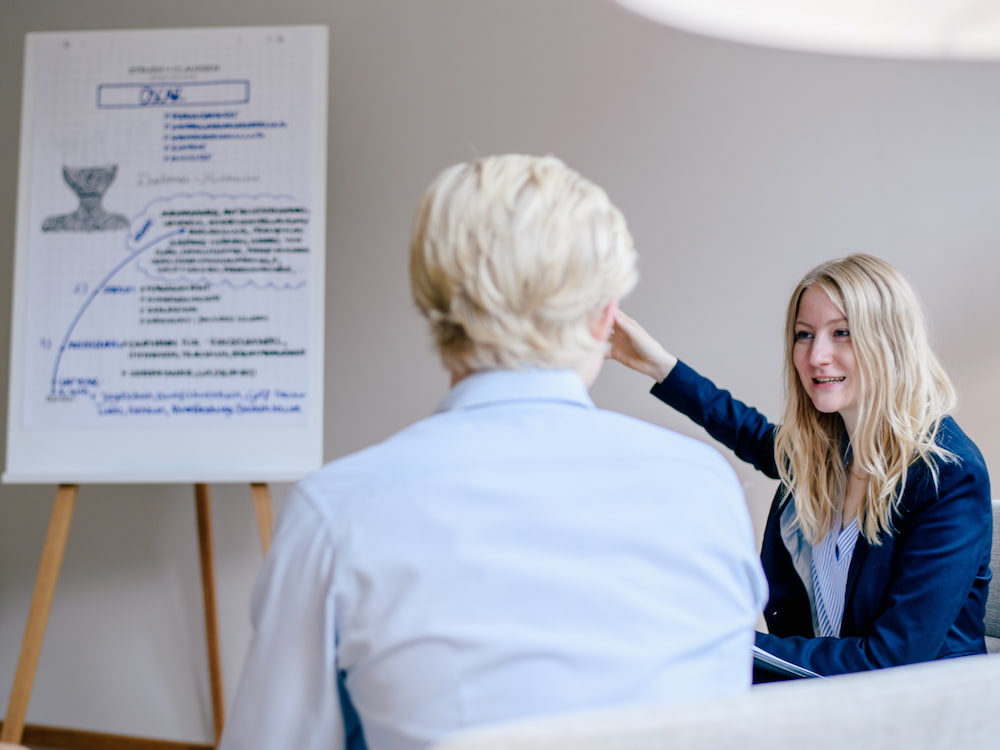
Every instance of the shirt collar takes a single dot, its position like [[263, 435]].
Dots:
[[489, 387]]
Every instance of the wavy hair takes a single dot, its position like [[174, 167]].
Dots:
[[903, 394], [509, 258]]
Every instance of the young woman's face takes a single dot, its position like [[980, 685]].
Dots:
[[824, 356]]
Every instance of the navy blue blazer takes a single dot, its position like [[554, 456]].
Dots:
[[919, 595]]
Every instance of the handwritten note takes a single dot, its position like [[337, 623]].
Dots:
[[168, 290]]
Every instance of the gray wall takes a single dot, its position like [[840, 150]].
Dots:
[[739, 169]]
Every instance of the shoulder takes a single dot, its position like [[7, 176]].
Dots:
[[668, 475], [953, 439], [683, 473], [346, 489], [965, 462], [962, 474], [653, 441]]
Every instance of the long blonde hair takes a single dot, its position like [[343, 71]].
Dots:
[[903, 394]]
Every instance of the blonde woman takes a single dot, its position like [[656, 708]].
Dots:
[[877, 544]]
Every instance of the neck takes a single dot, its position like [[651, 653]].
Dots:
[[850, 419], [590, 368]]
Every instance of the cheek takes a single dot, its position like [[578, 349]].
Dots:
[[848, 363], [800, 361]]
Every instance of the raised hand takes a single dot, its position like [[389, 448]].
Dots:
[[635, 348]]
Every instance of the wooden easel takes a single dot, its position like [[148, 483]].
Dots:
[[14, 729]]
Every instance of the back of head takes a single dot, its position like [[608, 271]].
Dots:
[[510, 257]]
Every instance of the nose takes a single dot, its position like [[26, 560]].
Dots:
[[820, 353]]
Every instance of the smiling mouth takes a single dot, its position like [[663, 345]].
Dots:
[[828, 381]]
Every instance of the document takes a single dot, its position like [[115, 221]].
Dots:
[[171, 241], [775, 664]]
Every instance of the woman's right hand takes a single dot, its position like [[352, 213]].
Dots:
[[635, 348]]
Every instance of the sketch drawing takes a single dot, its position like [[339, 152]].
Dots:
[[89, 184]]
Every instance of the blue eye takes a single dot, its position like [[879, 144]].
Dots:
[[842, 333], [802, 335]]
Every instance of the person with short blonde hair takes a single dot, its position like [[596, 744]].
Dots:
[[512, 258], [520, 551], [877, 545]]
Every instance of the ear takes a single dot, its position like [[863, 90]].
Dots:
[[602, 322]]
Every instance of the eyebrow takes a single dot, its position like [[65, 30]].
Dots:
[[833, 321]]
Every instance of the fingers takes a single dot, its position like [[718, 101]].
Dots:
[[621, 317], [635, 348], [628, 329]]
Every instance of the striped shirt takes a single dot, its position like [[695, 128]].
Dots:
[[831, 560]]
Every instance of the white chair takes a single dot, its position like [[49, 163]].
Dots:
[[939, 705], [993, 601]]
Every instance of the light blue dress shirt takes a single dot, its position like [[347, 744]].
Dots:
[[518, 553]]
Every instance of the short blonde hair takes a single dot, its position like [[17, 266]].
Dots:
[[904, 394], [510, 256]]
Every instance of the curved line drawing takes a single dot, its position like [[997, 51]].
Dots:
[[134, 253], [93, 295]]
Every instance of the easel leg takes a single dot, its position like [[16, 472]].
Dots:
[[38, 615], [204, 511], [265, 512]]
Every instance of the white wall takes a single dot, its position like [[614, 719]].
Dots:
[[739, 169]]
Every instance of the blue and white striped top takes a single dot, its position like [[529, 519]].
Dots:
[[831, 560]]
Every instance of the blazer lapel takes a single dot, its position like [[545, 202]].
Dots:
[[861, 550]]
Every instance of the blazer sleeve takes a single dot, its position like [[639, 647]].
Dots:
[[920, 595], [739, 427]]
